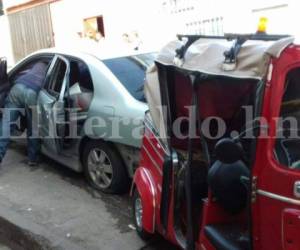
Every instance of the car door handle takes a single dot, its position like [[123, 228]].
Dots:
[[297, 189]]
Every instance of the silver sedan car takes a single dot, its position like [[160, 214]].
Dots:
[[90, 112]]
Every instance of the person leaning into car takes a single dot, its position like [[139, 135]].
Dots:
[[23, 96]]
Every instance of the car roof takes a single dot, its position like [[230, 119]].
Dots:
[[100, 54]]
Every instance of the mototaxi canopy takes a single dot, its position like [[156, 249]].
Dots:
[[206, 57]]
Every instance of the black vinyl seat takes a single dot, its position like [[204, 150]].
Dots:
[[225, 182], [228, 237]]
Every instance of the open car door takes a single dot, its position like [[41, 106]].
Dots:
[[52, 106], [4, 83]]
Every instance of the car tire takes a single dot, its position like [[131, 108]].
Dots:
[[137, 210], [104, 168]]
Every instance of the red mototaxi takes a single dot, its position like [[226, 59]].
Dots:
[[217, 193]]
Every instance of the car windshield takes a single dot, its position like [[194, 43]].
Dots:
[[131, 72]]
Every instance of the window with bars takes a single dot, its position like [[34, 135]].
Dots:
[[213, 26]]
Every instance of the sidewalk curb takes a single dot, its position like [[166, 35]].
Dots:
[[18, 239], [19, 233]]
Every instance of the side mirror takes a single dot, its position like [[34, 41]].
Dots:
[[229, 151]]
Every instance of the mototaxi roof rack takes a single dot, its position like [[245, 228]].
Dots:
[[230, 56], [232, 36]]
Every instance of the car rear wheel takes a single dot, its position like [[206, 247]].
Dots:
[[104, 168], [138, 216]]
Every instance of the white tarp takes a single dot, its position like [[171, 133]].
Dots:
[[207, 56]]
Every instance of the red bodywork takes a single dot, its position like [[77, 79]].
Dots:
[[275, 209]]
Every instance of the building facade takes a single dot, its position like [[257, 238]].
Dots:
[[29, 25], [216, 17], [120, 25]]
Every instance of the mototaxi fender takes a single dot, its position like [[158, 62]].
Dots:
[[144, 184]]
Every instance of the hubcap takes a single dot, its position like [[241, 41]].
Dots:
[[100, 168], [138, 212]]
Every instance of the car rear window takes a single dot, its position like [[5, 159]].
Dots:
[[131, 72]]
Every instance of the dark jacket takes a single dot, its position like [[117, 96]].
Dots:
[[34, 77]]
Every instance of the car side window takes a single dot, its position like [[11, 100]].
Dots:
[[81, 86], [131, 73], [287, 146], [79, 73], [57, 78]]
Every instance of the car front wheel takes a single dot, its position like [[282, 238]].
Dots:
[[104, 168]]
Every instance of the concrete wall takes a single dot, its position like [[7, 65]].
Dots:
[[282, 16], [238, 16], [119, 17]]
